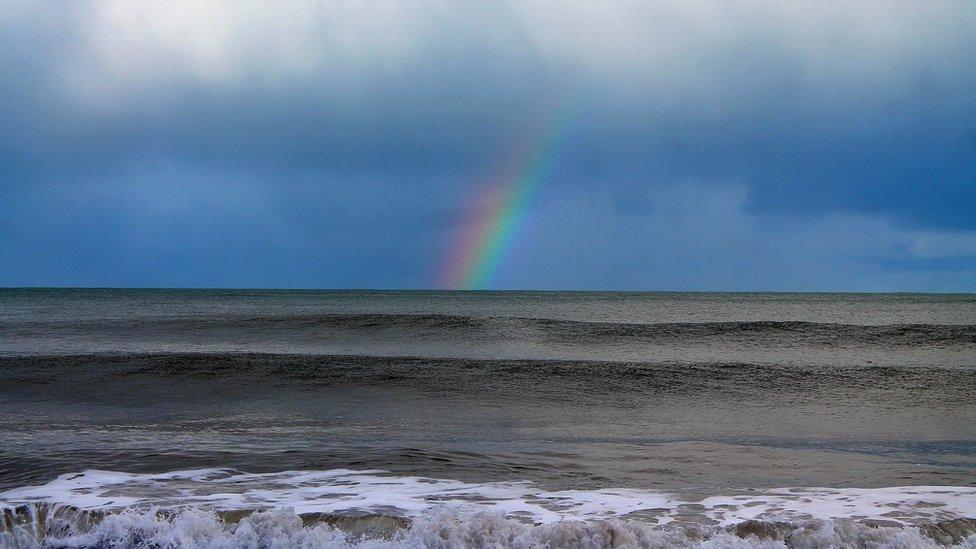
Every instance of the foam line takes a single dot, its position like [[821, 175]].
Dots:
[[348, 492]]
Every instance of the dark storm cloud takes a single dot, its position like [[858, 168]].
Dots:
[[357, 132]]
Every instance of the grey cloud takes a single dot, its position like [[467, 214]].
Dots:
[[359, 130]]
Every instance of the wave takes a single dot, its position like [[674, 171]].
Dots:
[[545, 329], [113, 371], [226, 508], [64, 528]]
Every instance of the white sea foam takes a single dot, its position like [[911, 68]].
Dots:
[[194, 528], [348, 492]]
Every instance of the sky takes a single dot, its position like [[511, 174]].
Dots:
[[721, 146]]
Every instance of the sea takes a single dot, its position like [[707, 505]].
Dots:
[[260, 418]]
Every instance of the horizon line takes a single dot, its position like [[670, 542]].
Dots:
[[477, 291]]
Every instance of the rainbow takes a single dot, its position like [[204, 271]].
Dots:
[[500, 209]]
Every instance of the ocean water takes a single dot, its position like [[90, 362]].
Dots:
[[174, 418]]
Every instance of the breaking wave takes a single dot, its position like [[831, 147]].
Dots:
[[340, 508], [190, 528]]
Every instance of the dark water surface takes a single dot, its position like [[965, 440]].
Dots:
[[693, 394]]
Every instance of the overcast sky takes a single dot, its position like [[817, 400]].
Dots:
[[717, 146]]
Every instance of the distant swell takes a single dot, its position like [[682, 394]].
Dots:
[[568, 331]]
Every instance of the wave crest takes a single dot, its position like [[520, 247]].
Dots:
[[58, 526]]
